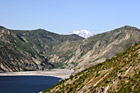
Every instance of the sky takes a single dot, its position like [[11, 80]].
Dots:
[[64, 16]]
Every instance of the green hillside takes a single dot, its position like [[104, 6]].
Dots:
[[43, 49], [17, 55], [120, 74], [74, 52], [52, 45], [23, 50]]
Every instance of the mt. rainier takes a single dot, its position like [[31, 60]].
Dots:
[[82, 33]]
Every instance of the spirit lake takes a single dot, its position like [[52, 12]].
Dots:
[[26, 84]]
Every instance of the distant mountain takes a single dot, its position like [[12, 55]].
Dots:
[[82, 33], [42, 49], [120, 74], [95, 49], [24, 50], [56, 48]]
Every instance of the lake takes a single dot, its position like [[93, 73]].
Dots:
[[26, 84]]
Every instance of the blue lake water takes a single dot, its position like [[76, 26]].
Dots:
[[26, 84]]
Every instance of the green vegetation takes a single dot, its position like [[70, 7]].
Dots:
[[39, 49], [16, 54], [58, 65], [66, 51], [120, 73], [21, 50]]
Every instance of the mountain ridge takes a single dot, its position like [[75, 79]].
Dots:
[[73, 51], [102, 46], [16, 55], [15, 41]]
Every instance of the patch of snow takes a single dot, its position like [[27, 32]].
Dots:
[[82, 33]]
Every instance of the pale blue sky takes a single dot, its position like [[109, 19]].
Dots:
[[63, 16]]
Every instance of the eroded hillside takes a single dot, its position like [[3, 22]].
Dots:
[[50, 50], [120, 74], [56, 48], [17, 55], [95, 49], [74, 52], [24, 50]]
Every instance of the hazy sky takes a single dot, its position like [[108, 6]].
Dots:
[[63, 16]]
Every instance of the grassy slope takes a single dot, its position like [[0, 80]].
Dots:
[[118, 74]]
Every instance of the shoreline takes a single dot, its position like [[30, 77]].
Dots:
[[59, 73]]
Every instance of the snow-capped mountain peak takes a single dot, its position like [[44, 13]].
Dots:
[[82, 33]]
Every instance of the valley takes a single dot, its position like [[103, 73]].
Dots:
[[96, 64], [73, 46], [25, 50]]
